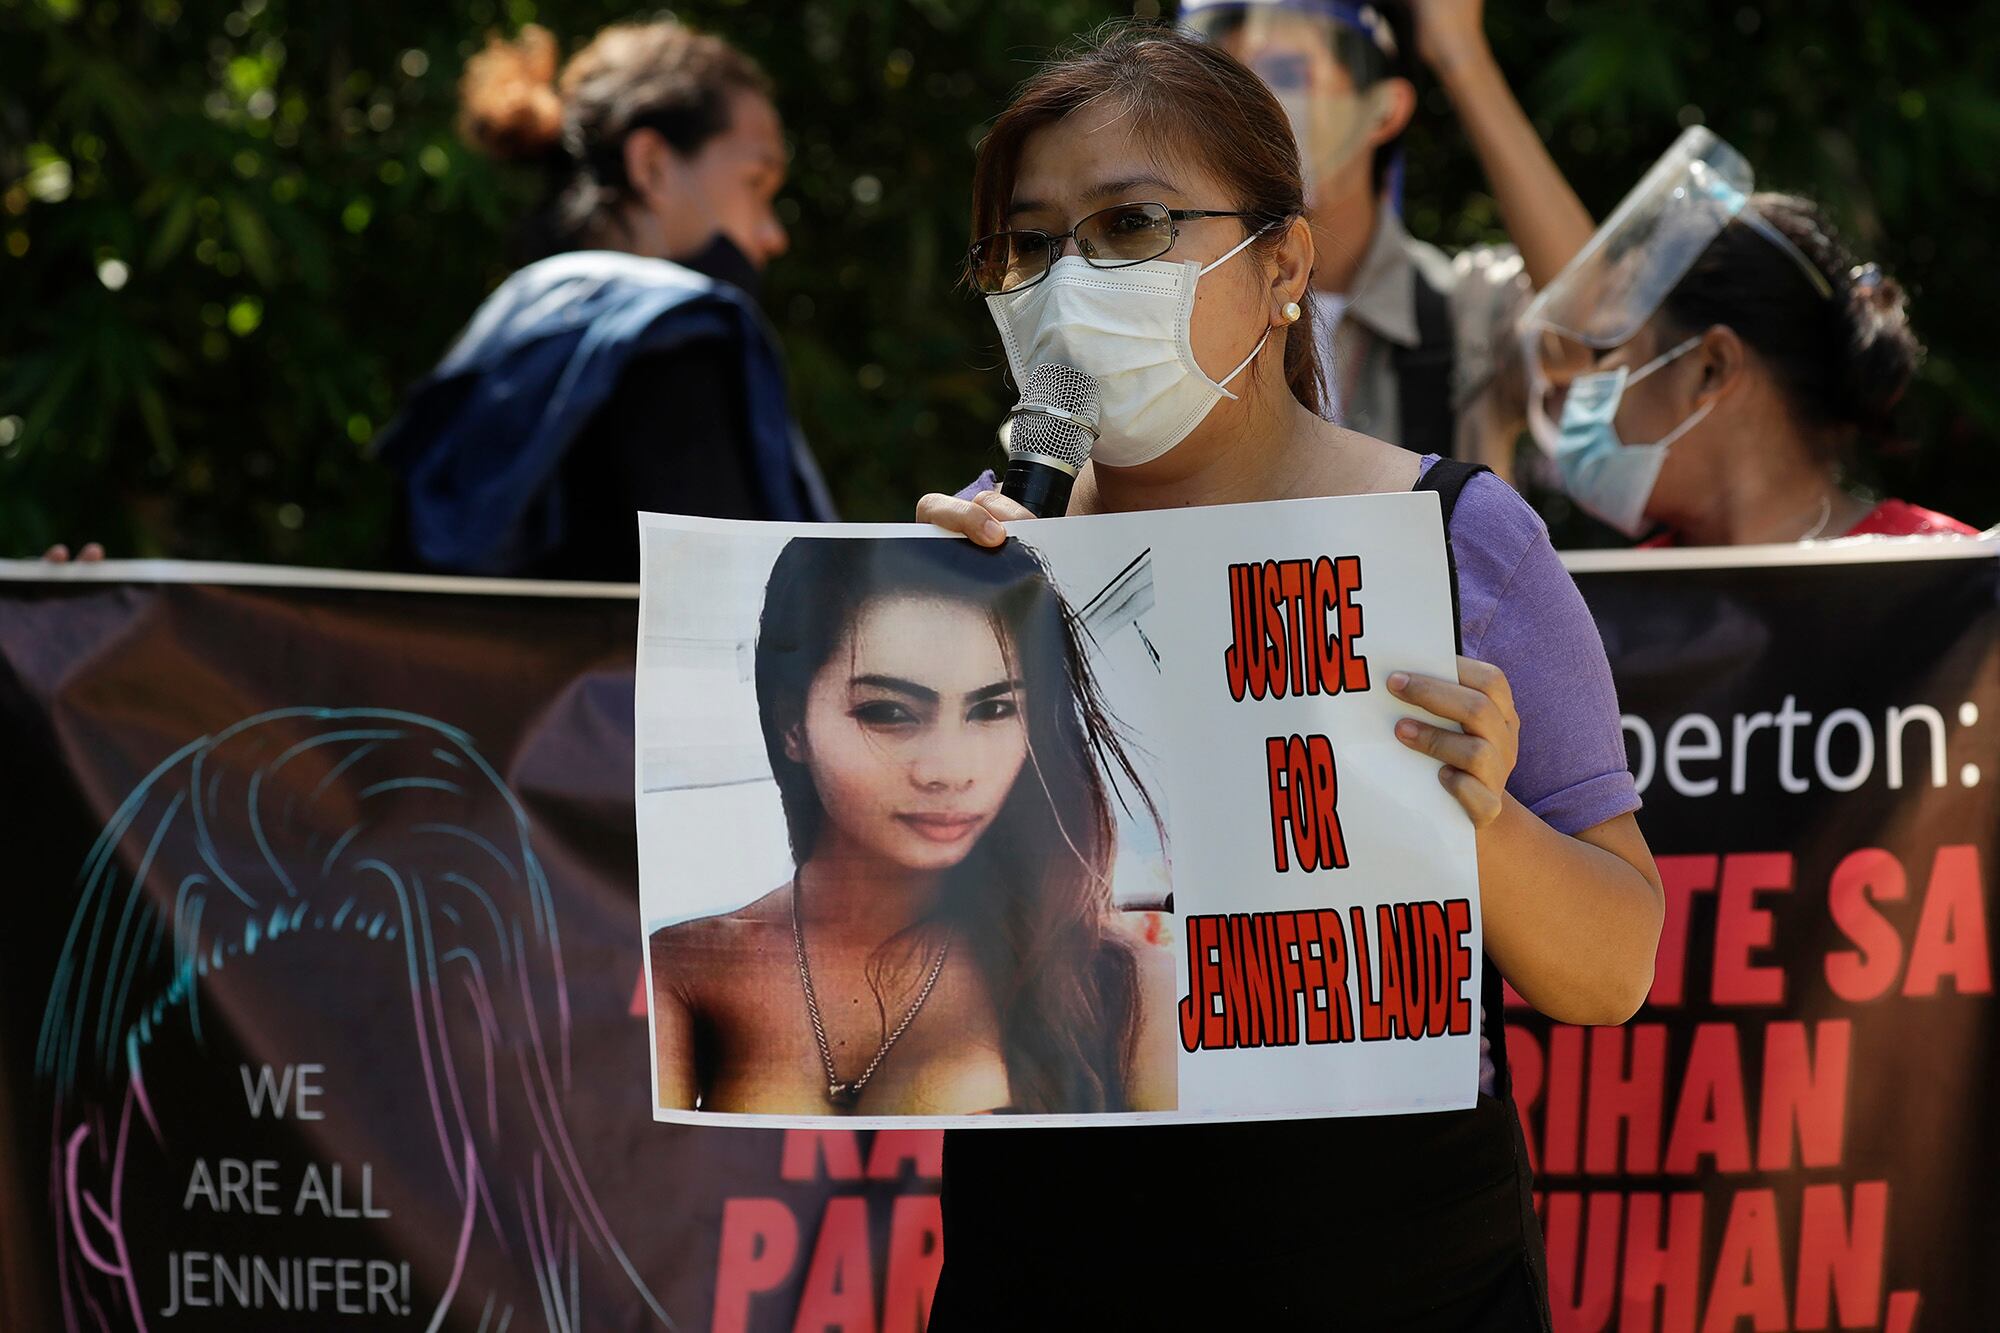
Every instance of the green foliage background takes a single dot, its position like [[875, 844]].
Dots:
[[232, 233]]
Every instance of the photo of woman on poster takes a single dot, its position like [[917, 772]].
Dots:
[[947, 943]]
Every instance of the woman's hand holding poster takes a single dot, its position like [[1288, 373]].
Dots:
[[1109, 825]]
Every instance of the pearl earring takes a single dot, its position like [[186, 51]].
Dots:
[[1292, 312]]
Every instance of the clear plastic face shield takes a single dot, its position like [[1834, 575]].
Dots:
[[1619, 280], [1607, 294], [1324, 61]]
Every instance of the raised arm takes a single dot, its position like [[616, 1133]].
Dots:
[[1543, 216]]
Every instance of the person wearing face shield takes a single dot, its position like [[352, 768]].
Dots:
[[1715, 362], [628, 366], [1414, 345]]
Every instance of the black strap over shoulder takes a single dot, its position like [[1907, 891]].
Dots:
[[1423, 375], [1447, 477]]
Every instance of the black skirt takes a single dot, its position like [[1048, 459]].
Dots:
[[1410, 1223]]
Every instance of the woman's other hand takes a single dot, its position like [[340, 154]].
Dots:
[[980, 518], [1479, 760], [59, 554]]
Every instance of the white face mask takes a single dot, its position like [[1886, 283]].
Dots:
[[1129, 328]]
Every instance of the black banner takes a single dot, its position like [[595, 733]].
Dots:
[[321, 1000], [1796, 1132]]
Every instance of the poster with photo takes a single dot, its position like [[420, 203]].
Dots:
[[1106, 826]]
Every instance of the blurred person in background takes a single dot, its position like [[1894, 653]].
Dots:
[[1415, 346], [628, 367], [1715, 365]]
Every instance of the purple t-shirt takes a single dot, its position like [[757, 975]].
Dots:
[[1519, 609]]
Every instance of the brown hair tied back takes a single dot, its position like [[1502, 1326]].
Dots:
[[660, 75], [1883, 352], [508, 107], [1844, 362]]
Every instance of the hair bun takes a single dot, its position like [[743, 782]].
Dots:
[[1883, 352], [508, 105]]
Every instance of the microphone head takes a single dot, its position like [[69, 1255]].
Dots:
[[1056, 419]]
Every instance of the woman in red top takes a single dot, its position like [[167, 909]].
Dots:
[[1772, 367], [1900, 518]]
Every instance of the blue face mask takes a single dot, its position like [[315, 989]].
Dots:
[[1608, 477]]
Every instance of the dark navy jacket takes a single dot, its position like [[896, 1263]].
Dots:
[[482, 442]]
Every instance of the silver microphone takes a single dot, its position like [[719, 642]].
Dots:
[[1048, 436]]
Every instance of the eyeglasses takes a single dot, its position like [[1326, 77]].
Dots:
[[1114, 237]]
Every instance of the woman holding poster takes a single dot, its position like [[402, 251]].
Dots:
[[947, 943], [1140, 216]]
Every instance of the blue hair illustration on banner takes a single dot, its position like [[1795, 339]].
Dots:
[[364, 873]]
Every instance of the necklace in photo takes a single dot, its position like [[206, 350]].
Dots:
[[846, 1095]]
